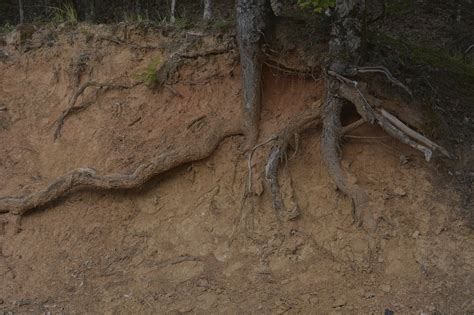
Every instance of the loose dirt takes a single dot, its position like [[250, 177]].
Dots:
[[178, 244]]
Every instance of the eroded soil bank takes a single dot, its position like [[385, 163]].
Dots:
[[183, 243]]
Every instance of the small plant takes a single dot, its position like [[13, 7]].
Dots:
[[66, 13], [317, 5], [181, 23], [148, 76], [6, 28]]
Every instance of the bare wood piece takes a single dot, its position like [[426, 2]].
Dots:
[[86, 178], [390, 123], [413, 134]]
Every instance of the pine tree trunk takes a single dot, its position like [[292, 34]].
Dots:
[[207, 15], [252, 21]]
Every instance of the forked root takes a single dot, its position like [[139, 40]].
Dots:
[[331, 154], [80, 91], [309, 118], [86, 178]]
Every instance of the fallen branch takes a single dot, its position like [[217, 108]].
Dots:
[[86, 178], [390, 123], [387, 73]]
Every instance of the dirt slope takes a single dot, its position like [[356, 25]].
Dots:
[[181, 244]]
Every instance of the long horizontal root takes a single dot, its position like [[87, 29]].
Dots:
[[86, 178]]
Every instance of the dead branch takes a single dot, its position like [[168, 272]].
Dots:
[[86, 178], [387, 73], [72, 102], [353, 126], [390, 123], [413, 134]]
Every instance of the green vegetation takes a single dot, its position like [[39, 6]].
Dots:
[[6, 28], [399, 7], [317, 5], [67, 13], [437, 58], [149, 76]]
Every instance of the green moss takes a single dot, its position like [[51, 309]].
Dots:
[[149, 75]]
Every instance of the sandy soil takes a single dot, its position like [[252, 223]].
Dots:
[[179, 244]]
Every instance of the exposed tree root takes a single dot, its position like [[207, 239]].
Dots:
[[392, 125], [309, 118], [163, 74], [252, 20], [86, 178], [80, 91], [330, 152]]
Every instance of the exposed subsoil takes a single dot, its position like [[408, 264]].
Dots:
[[176, 244]]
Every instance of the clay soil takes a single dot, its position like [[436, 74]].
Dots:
[[179, 244]]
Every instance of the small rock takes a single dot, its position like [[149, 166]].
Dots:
[[385, 288], [313, 300], [24, 302], [259, 187], [1, 301], [352, 179], [186, 309], [202, 283], [340, 302], [286, 281], [399, 192], [415, 234], [403, 159], [369, 295], [388, 312], [380, 259]]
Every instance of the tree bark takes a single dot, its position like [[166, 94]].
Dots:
[[173, 11], [346, 44], [207, 15], [252, 22], [22, 15]]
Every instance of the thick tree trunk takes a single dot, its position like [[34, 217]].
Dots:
[[252, 22], [345, 46], [20, 6], [173, 11], [207, 15], [345, 51]]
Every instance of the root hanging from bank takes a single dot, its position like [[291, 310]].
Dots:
[[283, 139], [86, 178]]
